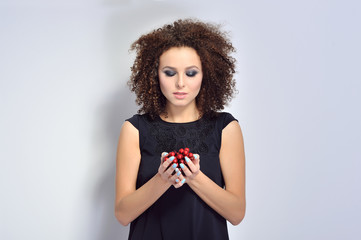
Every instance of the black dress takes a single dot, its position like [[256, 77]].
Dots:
[[179, 213]]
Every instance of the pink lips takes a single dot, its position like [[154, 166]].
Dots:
[[180, 95]]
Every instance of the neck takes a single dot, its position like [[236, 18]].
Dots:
[[181, 114]]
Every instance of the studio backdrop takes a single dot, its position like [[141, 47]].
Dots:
[[63, 72]]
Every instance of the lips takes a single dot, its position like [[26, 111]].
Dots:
[[180, 95]]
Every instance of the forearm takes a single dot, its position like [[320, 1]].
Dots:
[[134, 204], [227, 204]]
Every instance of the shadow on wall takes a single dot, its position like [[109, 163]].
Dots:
[[124, 27], [120, 107]]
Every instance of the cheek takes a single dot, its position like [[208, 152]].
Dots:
[[196, 85]]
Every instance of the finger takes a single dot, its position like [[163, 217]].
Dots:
[[179, 181], [182, 180], [191, 165], [185, 169], [163, 155], [171, 169], [165, 165], [197, 159], [176, 183], [176, 175], [168, 162]]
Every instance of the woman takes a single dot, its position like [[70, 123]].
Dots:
[[182, 77]]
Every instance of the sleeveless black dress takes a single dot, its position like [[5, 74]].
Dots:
[[179, 213]]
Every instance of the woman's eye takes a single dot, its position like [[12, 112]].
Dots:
[[169, 73], [191, 73]]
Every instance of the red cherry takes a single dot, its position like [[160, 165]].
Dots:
[[179, 156], [186, 149], [186, 152], [181, 150], [175, 160], [165, 159], [182, 161], [190, 154], [172, 153]]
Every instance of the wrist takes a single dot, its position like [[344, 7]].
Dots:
[[196, 179], [161, 181]]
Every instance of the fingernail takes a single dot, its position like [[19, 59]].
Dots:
[[183, 180], [177, 180], [171, 158], [182, 165], [187, 159], [177, 170], [195, 156], [174, 165], [178, 173], [165, 154]]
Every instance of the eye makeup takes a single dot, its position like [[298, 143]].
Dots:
[[191, 73], [169, 73]]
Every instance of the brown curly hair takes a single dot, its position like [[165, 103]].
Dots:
[[214, 49]]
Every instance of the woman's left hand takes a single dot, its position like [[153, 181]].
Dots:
[[190, 172]]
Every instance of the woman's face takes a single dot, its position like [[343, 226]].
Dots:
[[180, 76]]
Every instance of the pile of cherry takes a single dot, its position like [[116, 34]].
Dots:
[[179, 157]]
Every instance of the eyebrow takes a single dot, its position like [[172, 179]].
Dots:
[[193, 66]]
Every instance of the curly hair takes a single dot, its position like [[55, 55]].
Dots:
[[212, 46]]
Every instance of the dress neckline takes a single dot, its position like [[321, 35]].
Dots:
[[174, 123]]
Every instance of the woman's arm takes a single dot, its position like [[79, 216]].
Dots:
[[231, 201], [129, 202]]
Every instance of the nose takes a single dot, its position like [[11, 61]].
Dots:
[[180, 81]]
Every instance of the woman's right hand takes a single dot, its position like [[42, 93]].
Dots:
[[168, 170]]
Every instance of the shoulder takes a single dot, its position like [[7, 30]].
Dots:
[[137, 119], [136, 129], [223, 119], [231, 130]]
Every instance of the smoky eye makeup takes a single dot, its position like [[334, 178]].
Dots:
[[169, 73], [191, 73]]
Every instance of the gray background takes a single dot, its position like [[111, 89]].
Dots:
[[63, 72]]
